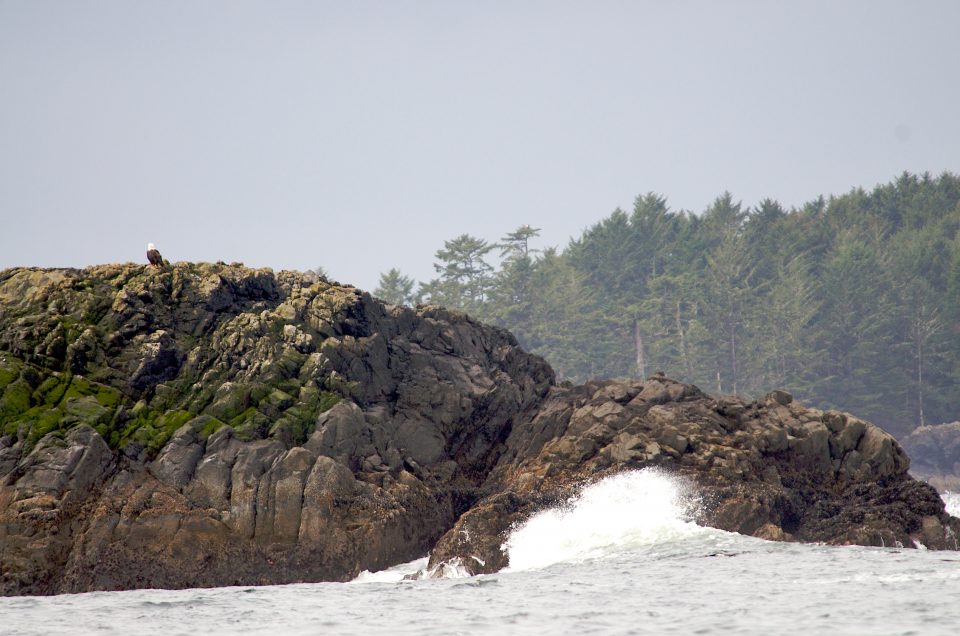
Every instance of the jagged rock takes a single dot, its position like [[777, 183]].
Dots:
[[772, 469], [178, 460], [780, 397], [42, 503], [159, 361], [262, 427], [205, 424], [343, 434]]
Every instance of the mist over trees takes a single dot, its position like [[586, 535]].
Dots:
[[849, 302]]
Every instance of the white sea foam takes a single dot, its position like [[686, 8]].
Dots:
[[452, 569], [629, 510], [391, 575], [952, 499]]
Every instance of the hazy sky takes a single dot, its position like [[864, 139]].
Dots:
[[360, 135]]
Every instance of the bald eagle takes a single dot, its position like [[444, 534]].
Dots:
[[153, 255]]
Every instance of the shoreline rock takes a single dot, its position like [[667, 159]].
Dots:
[[205, 425], [770, 468]]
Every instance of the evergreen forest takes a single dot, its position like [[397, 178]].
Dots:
[[849, 302]]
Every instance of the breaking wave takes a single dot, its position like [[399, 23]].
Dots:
[[623, 512], [952, 500], [646, 510]]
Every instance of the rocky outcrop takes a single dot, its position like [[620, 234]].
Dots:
[[769, 468], [201, 425], [249, 427], [935, 455]]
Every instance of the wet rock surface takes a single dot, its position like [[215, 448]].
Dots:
[[204, 424]]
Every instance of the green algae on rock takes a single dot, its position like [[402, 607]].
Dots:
[[152, 349]]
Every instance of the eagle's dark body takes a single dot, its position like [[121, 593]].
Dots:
[[153, 255]]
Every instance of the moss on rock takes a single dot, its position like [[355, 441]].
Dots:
[[134, 352], [15, 400], [208, 425], [230, 401], [9, 370], [152, 430]]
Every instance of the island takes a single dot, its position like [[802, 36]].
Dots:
[[201, 424]]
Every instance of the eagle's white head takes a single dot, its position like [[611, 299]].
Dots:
[[150, 246]]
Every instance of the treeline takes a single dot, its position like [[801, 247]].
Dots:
[[850, 302]]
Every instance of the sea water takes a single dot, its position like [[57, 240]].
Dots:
[[623, 558]]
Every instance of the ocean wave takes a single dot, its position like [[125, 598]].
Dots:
[[623, 512], [952, 499]]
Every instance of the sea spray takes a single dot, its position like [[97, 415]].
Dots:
[[630, 511], [952, 501], [622, 512]]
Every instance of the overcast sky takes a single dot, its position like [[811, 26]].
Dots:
[[360, 135]]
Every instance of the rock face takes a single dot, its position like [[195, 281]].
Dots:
[[770, 468], [935, 451], [202, 425]]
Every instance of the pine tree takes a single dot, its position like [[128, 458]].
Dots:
[[511, 294], [785, 350], [851, 301], [395, 288], [465, 277], [516, 244], [728, 294]]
